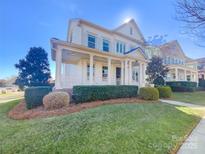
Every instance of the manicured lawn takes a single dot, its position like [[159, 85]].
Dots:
[[10, 96], [197, 97], [125, 128]]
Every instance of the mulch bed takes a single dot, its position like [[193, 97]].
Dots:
[[20, 112]]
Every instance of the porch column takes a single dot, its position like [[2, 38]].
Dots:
[[185, 75], [176, 74], [122, 72], [130, 72], [143, 75], [126, 72], [140, 74], [109, 71], [91, 69], [58, 68]]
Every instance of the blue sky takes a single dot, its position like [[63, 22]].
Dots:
[[24, 24]]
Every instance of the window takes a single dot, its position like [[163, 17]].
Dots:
[[120, 47], [131, 32], [123, 48], [106, 45], [88, 71], [91, 41], [104, 72], [169, 60]]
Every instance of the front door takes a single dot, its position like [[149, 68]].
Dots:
[[118, 75]]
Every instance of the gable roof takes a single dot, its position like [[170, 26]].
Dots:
[[82, 21], [172, 49], [132, 21], [141, 51]]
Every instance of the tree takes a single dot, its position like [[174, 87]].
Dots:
[[156, 70], [34, 69], [192, 14]]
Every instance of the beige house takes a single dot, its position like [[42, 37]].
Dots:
[[181, 68], [201, 68], [94, 55]]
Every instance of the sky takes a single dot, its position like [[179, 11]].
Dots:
[[26, 23]]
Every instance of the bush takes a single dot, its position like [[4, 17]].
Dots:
[[165, 92], [182, 86], [34, 96], [56, 100], [93, 93], [202, 83], [159, 81], [149, 93]]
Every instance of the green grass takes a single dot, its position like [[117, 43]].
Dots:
[[126, 128], [10, 96], [197, 97]]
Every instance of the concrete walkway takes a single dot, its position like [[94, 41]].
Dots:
[[195, 143]]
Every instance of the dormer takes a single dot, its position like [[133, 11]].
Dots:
[[130, 29]]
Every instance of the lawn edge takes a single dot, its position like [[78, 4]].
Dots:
[[175, 150]]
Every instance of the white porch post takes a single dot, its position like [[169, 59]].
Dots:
[[109, 71], [122, 72], [176, 74], [185, 78], [126, 72], [143, 74], [140, 74], [130, 72], [91, 69], [58, 68]]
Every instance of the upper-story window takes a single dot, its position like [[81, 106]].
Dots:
[[131, 31], [120, 47], [106, 45], [91, 41]]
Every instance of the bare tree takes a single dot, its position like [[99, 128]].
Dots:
[[192, 14]]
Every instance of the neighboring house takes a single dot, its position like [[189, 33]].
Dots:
[[201, 68], [181, 68], [93, 55]]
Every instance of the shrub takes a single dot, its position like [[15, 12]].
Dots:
[[149, 93], [202, 83], [182, 86], [3, 92], [159, 81], [92, 93], [164, 92], [56, 100], [34, 96]]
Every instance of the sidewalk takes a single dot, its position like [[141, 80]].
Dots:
[[195, 143]]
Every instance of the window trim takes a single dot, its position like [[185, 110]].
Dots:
[[94, 44], [108, 44]]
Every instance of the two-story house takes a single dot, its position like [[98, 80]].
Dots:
[[94, 55], [181, 68]]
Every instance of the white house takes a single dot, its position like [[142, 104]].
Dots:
[[93, 55]]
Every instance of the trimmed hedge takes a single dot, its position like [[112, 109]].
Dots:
[[34, 95], [165, 92], [149, 93], [104, 92], [182, 86], [202, 83]]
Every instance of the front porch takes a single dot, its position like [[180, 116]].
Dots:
[[180, 73], [81, 67]]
